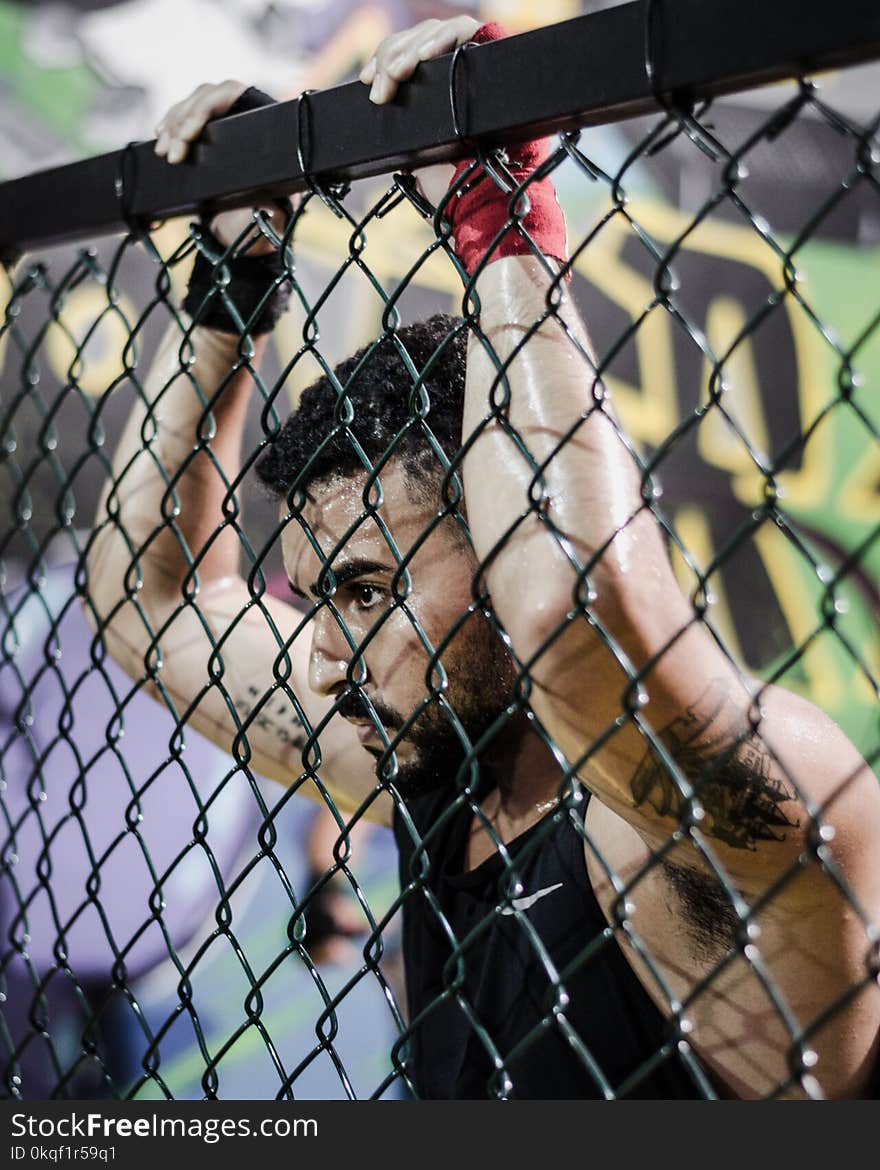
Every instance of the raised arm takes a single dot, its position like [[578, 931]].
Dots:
[[164, 579], [577, 565], [588, 570], [657, 720], [781, 795]]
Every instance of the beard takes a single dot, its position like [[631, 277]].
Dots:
[[445, 754], [444, 741]]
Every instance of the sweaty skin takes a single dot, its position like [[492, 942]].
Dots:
[[758, 770]]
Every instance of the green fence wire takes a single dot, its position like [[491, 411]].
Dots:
[[775, 548]]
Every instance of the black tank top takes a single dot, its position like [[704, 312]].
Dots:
[[537, 1002]]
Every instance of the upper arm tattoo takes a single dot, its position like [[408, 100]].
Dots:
[[731, 774]]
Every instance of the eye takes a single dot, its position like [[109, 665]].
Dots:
[[367, 596]]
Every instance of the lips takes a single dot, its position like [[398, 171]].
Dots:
[[368, 733], [365, 728]]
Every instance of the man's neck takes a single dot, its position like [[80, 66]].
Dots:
[[527, 788]]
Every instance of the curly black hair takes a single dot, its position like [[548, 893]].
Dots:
[[316, 441]]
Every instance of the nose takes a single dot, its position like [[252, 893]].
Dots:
[[330, 656]]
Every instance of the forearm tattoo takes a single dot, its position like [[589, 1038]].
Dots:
[[277, 717], [730, 772]]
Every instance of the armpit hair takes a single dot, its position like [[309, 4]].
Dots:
[[709, 917]]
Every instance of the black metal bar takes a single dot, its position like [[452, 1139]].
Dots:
[[582, 72]]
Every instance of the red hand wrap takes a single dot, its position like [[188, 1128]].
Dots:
[[482, 210]]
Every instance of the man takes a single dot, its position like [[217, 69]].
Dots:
[[626, 869]]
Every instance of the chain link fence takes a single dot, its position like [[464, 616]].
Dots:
[[740, 359]]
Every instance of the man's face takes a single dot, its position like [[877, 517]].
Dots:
[[392, 667]]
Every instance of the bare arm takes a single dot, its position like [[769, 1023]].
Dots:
[[164, 564], [629, 682], [650, 711], [768, 770], [761, 759]]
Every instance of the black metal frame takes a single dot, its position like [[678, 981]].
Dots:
[[597, 68]]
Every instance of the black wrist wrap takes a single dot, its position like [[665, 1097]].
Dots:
[[240, 282], [226, 290]]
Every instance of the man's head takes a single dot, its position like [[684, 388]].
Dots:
[[402, 406]]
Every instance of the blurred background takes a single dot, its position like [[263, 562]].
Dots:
[[80, 78]]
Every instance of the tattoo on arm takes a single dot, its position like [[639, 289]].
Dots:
[[730, 772], [277, 717]]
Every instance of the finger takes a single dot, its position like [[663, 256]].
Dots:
[[368, 72], [391, 71], [168, 120], [186, 120], [394, 59], [169, 140], [401, 52], [404, 65], [177, 151], [398, 57], [213, 103], [190, 127], [434, 37], [448, 37], [382, 90], [218, 99], [201, 99]]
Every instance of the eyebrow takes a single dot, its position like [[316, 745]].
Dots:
[[348, 571]]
